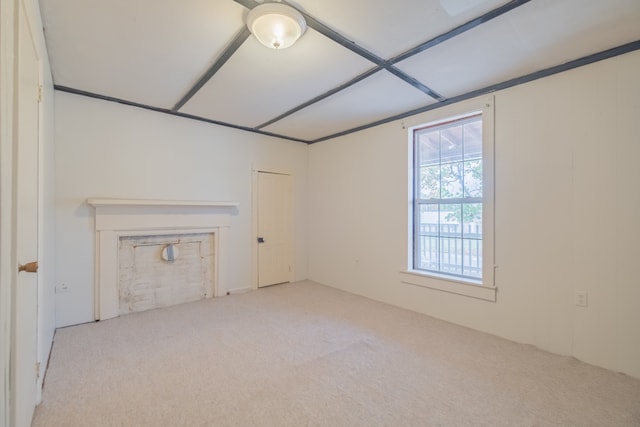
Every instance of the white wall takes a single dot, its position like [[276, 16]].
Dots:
[[109, 150], [567, 217]]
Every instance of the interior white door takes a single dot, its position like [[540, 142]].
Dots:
[[274, 228], [24, 356]]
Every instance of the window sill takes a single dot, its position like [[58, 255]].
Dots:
[[449, 284]]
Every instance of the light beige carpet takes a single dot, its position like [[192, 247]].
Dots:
[[307, 355]]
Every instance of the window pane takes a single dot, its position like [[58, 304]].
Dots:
[[427, 244], [429, 221], [451, 144], [429, 182], [450, 220], [472, 264], [452, 180], [473, 178], [473, 139], [451, 255], [451, 238], [472, 220], [429, 148]]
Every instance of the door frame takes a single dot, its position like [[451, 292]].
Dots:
[[255, 170]]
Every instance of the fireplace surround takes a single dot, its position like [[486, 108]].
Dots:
[[117, 218]]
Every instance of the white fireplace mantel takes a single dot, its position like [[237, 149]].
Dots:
[[166, 203], [115, 218]]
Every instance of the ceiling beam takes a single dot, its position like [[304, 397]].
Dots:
[[352, 46], [321, 97], [171, 112], [580, 62], [249, 4], [228, 52], [586, 60], [364, 53]]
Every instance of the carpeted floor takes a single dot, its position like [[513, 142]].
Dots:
[[304, 354]]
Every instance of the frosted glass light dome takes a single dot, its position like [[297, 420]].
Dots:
[[276, 25]]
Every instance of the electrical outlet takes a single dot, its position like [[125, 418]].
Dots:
[[62, 287], [582, 299]]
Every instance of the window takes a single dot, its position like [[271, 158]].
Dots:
[[448, 198], [450, 238]]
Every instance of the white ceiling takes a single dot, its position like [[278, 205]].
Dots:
[[348, 71]]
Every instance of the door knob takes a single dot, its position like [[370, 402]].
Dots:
[[30, 267]]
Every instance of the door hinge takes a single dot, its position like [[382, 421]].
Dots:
[[40, 93], [38, 370]]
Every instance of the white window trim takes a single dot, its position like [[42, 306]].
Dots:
[[484, 289]]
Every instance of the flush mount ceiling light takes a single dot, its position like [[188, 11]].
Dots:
[[276, 25]]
